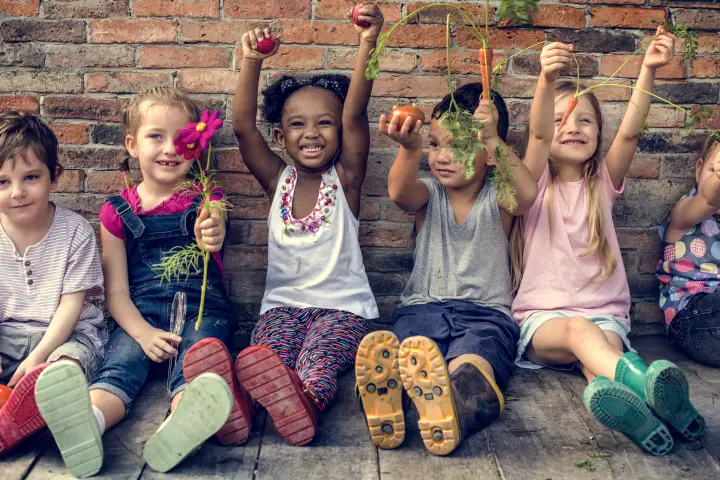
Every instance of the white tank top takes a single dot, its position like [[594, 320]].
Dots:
[[316, 261]]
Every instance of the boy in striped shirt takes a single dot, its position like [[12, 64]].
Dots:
[[50, 267]]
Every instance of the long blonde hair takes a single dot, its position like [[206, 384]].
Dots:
[[596, 218]]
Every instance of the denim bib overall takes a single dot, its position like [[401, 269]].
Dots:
[[148, 237]]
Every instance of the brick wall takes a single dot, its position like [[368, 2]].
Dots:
[[78, 61]]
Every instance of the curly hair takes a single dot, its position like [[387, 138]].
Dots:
[[468, 98], [277, 93], [20, 131]]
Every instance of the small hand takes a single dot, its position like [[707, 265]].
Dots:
[[26, 366], [157, 346], [553, 58], [661, 49], [210, 230], [369, 13], [250, 40], [411, 140], [488, 134]]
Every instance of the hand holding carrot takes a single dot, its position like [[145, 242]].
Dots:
[[487, 112], [407, 134], [553, 58], [661, 49]]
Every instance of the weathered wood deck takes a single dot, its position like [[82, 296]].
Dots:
[[544, 432]]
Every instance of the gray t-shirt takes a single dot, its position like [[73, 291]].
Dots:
[[468, 261]]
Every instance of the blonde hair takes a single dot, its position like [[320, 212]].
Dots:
[[596, 218], [133, 113]]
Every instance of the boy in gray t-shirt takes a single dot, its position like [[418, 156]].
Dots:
[[458, 340]]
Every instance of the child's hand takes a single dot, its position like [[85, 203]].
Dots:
[[27, 365], [488, 134], [661, 49], [369, 13], [250, 41], [157, 344], [553, 58], [411, 140], [210, 230]]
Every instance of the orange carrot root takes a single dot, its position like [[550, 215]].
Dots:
[[572, 103], [485, 56]]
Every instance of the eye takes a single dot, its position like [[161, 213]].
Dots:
[[326, 122], [32, 177], [4, 182], [155, 136], [557, 120], [296, 124], [434, 144], [586, 121]]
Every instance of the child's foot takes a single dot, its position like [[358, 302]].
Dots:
[[203, 409], [211, 355], [619, 408], [378, 380], [425, 376], [64, 401], [668, 395], [20, 417], [279, 389]]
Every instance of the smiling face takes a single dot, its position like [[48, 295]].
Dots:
[[579, 138], [440, 159], [311, 127], [153, 144], [25, 188]]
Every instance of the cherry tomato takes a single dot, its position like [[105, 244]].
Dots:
[[356, 17], [266, 45], [407, 111], [5, 392]]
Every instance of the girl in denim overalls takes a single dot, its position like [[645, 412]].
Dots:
[[137, 228]]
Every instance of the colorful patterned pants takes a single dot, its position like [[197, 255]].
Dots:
[[317, 343]]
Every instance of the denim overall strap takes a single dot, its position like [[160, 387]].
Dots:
[[190, 210], [126, 214]]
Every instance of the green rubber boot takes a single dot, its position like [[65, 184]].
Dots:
[[618, 408], [630, 371]]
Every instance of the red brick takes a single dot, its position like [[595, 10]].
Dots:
[[665, 116], [698, 19], [208, 81], [610, 63], [338, 10], [404, 86], [392, 213], [20, 8], [86, 204], [230, 160], [85, 8], [84, 56], [706, 67], [644, 166], [137, 30], [610, 94], [417, 36], [270, 9], [558, 16], [208, 31], [91, 157], [504, 39], [291, 58], [638, 239], [105, 182], [647, 312], [609, 2], [239, 184], [71, 133], [34, 30], [626, 17], [380, 235], [461, 61], [245, 257], [713, 121], [174, 8], [176, 56], [709, 43], [390, 61], [248, 233], [19, 102], [249, 208], [92, 108], [71, 181], [439, 14], [12, 81], [126, 82], [22, 55], [319, 33]]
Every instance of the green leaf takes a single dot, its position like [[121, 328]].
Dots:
[[502, 179], [463, 127], [517, 12]]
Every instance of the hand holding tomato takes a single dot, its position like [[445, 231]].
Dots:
[[259, 44], [406, 134], [368, 20]]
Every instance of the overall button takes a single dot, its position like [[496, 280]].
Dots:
[[30, 282], [27, 264], [29, 272]]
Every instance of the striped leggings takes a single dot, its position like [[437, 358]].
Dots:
[[318, 343]]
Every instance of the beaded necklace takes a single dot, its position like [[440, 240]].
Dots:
[[318, 217]]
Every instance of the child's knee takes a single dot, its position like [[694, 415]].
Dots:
[[575, 326]]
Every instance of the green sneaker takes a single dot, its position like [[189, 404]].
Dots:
[[618, 408], [668, 394]]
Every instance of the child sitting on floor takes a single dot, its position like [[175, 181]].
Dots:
[[458, 340], [50, 267]]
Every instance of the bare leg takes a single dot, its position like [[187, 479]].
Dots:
[[565, 340], [175, 400], [471, 357], [617, 343], [112, 408]]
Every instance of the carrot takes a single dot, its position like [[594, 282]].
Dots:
[[572, 103], [486, 59]]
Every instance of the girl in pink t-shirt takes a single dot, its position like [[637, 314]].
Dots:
[[573, 300]]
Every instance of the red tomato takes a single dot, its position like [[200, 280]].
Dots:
[[5, 392], [407, 111], [266, 45], [356, 17]]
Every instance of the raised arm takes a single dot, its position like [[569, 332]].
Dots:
[[262, 162], [406, 191], [352, 163], [621, 152], [553, 58]]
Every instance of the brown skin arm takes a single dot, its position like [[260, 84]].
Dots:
[[690, 211], [352, 164], [265, 165]]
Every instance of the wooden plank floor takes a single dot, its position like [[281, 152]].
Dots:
[[544, 433]]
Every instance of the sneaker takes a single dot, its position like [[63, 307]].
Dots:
[[211, 355], [20, 417], [264, 375]]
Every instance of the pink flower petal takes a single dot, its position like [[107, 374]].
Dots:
[[213, 117], [204, 117], [204, 142]]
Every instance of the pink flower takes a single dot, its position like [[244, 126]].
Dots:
[[195, 138]]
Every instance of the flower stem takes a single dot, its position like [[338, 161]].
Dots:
[[206, 259]]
